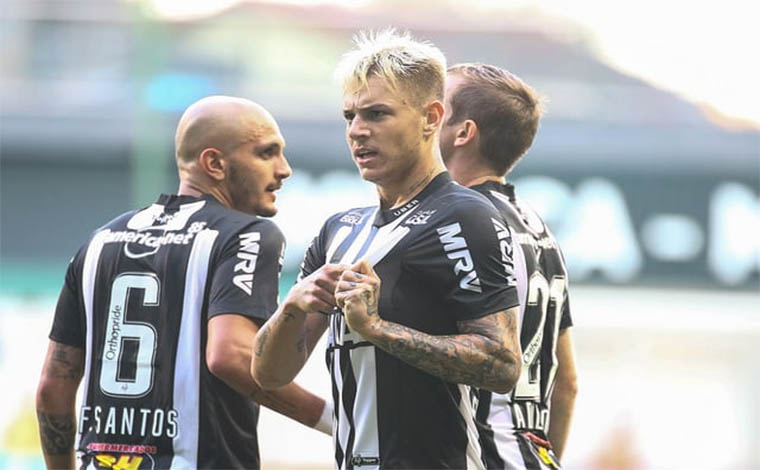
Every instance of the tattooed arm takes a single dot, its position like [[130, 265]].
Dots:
[[287, 339], [485, 354], [56, 396], [228, 355]]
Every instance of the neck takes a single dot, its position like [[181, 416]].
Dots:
[[404, 191], [189, 187], [468, 171]]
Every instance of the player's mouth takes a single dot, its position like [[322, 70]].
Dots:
[[273, 187], [364, 155]]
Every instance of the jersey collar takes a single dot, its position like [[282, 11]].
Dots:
[[507, 189], [389, 215]]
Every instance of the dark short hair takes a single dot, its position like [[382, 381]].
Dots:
[[505, 109]]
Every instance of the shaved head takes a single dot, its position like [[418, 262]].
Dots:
[[220, 122]]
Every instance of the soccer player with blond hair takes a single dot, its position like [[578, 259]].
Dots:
[[424, 310]]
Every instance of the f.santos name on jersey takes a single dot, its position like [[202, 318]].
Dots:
[[248, 253], [129, 421], [456, 249]]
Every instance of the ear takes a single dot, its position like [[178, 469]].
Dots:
[[466, 133], [433, 118], [213, 163]]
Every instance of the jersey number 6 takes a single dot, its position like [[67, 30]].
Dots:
[[130, 376]]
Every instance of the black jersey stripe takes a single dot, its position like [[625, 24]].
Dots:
[[349, 398]]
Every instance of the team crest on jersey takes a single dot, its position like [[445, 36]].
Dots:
[[248, 253], [353, 218], [420, 218], [456, 249]]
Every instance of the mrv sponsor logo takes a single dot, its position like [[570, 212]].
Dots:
[[248, 253], [505, 247], [456, 249]]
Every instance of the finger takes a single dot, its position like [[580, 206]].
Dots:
[[326, 283], [325, 298], [333, 271], [364, 267], [345, 286]]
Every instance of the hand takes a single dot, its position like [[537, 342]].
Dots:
[[315, 292], [357, 294]]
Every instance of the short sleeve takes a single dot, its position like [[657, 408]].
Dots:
[[566, 321], [315, 255], [69, 326], [245, 277], [479, 268]]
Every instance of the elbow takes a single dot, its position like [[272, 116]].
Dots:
[[221, 364], [46, 394], [507, 378], [567, 387], [266, 381], [54, 394]]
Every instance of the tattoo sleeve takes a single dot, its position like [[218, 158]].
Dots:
[[56, 396], [485, 354], [57, 432]]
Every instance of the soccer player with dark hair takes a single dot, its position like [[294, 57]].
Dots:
[[160, 308], [490, 122], [427, 308]]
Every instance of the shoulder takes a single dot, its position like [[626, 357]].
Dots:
[[461, 203]]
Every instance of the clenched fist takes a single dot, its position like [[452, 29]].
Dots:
[[357, 294]]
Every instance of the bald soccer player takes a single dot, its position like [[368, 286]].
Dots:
[[160, 308]]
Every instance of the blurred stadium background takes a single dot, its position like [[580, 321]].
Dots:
[[654, 197]]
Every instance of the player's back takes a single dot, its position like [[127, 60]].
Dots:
[[514, 426], [146, 284]]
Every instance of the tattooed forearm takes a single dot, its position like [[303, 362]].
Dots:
[[484, 355], [65, 362], [262, 337], [56, 432]]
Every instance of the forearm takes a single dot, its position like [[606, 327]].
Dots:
[[279, 349], [470, 359], [290, 400], [57, 434], [55, 403], [560, 418]]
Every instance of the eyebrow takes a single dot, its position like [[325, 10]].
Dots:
[[268, 145], [368, 107]]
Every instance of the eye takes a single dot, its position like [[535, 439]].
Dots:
[[375, 114], [348, 116], [270, 151]]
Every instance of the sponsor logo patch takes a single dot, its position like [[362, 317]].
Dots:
[[456, 249], [420, 218], [352, 218], [248, 253]]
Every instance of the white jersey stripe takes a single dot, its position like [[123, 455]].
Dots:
[[343, 232], [366, 442], [187, 365], [474, 453], [358, 242], [89, 273]]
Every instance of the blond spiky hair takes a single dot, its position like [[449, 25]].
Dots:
[[408, 65]]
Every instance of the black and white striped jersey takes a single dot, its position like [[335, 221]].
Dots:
[[443, 257], [137, 298], [508, 422]]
